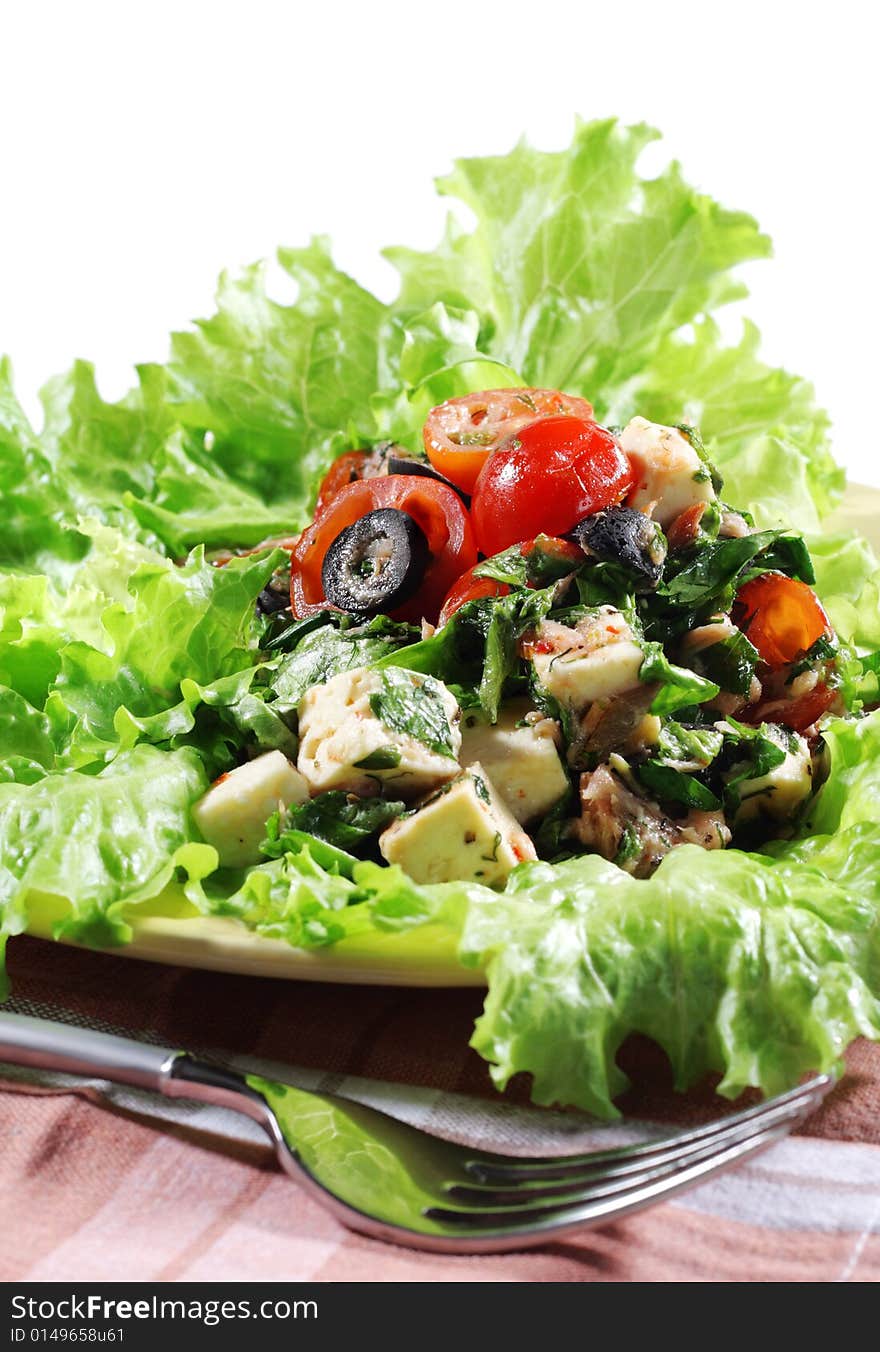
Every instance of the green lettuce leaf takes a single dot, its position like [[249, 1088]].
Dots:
[[577, 266], [732, 963], [130, 630], [25, 736], [194, 501], [278, 388], [848, 581], [35, 505], [102, 841], [761, 424], [584, 274]]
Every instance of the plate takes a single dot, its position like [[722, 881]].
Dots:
[[170, 930]]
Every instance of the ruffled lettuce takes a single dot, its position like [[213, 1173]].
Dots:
[[100, 842], [754, 967]]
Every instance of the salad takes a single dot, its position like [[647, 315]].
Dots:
[[648, 669], [505, 612]]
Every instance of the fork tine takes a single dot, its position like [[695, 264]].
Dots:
[[625, 1173], [488, 1169], [507, 1228]]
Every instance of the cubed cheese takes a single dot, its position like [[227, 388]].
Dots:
[[779, 793], [233, 813], [345, 744], [520, 759], [670, 476], [596, 660], [463, 832]]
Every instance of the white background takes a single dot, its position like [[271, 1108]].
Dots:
[[147, 147]]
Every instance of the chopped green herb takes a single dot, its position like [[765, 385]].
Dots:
[[675, 786], [692, 434], [413, 704], [730, 663], [752, 753], [553, 836], [538, 566], [321, 652], [495, 845], [697, 746], [679, 687], [630, 847], [340, 819], [383, 758]]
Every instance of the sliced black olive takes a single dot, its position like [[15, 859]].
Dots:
[[399, 464], [623, 535], [375, 564]]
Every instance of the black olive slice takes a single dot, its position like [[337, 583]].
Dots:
[[375, 564], [399, 464], [623, 535]]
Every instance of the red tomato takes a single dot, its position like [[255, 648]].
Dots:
[[545, 479], [438, 510], [806, 709], [460, 434], [345, 470], [469, 588], [780, 616]]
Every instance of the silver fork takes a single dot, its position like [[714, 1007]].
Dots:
[[395, 1182]]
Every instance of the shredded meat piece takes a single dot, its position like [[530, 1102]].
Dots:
[[730, 705], [220, 557], [707, 635], [376, 463], [542, 726], [618, 724], [708, 829], [733, 526], [605, 625], [610, 811]]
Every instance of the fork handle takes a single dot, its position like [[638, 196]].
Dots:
[[46, 1045]]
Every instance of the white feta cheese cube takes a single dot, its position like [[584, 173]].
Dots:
[[670, 476], [464, 832], [345, 744], [597, 660], [783, 789], [232, 815], [520, 758]]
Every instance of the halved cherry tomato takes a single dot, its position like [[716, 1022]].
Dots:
[[806, 709], [547, 477], [780, 616], [460, 434], [439, 512], [469, 588], [347, 469]]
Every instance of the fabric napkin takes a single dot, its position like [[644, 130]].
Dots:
[[114, 1185]]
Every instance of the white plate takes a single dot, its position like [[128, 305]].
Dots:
[[171, 931]]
